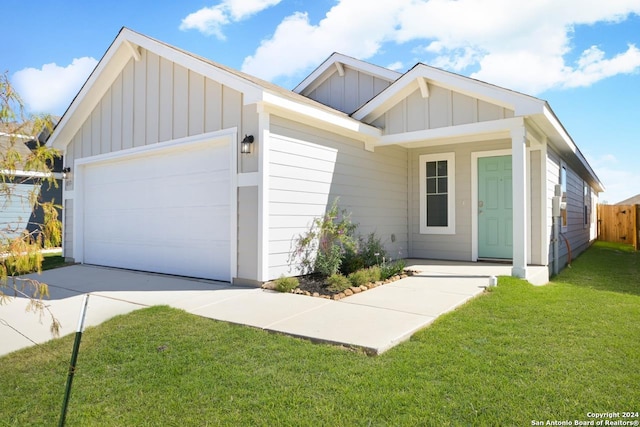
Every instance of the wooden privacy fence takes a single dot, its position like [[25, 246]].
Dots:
[[619, 224]]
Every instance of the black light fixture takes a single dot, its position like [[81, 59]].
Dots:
[[65, 172], [245, 145]]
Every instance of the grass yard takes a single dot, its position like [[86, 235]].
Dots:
[[53, 260], [515, 355]]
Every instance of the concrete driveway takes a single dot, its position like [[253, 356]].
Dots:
[[375, 320]]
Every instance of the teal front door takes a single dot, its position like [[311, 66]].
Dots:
[[495, 213]]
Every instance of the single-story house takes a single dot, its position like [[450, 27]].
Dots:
[[438, 165]]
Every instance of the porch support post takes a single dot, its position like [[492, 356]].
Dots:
[[519, 189]]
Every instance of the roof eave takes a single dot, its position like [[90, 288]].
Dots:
[[122, 50], [561, 140]]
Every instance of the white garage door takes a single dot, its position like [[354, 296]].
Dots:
[[166, 211]]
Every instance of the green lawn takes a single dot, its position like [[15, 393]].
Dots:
[[517, 354], [53, 260]]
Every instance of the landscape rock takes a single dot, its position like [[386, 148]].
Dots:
[[348, 292]]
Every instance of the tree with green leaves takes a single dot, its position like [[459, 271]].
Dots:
[[26, 167]]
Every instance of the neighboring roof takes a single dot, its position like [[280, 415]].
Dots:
[[635, 200], [335, 64], [255, 90]]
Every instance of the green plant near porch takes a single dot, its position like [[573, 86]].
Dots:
[[321, 249]]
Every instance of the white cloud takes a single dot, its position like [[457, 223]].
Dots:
[[350, 27], [592, 66], [523, 48], [52, 88], [395, 66], [210, 20]]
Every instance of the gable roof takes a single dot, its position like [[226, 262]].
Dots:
[[126, 46], [335, 63], [537, 112]]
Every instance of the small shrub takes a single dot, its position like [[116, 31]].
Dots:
[[372, 250], [338, 283], [351, 261], [392, 268], [375, 273], [286, 284], [328, 262], [359, 278]]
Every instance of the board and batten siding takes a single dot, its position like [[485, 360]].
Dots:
[[349, 92], [442, 108], [309, 168], [155, 100]]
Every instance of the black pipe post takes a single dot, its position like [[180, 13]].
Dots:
[[74, 358]]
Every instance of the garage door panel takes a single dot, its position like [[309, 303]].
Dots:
[[167, 212]]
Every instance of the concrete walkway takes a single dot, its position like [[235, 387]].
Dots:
[[374, 321]]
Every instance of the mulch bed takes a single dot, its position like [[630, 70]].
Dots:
[[313, 285]]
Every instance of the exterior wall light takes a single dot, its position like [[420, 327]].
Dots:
[[66, 172], [245, 145]]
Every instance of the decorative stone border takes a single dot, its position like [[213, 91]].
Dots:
[[349, 291]]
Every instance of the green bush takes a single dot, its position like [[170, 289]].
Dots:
[[375, 273], [338, 283], [372, 251], [286, 284], [328, 261], [351, 261], [392, 268], [359, 278], [322, 248]]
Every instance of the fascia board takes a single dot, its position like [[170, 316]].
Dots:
[[567, 144], [315, 116], [195, 64], [451, 132], [94, 87], [114, 61], [328, 67], [521, 104]]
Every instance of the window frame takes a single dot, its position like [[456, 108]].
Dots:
[[450, 228]]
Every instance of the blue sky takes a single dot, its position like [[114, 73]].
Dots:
[[583, 56]]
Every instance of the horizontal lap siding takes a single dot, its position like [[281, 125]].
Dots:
[[578, 235], [576, 232], [446, 246], [309, 168]]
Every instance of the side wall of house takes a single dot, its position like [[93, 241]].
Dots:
[[155, 100], [349, 92], [578, 233], [310, 168]]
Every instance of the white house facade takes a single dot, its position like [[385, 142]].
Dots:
[[436, 164]]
